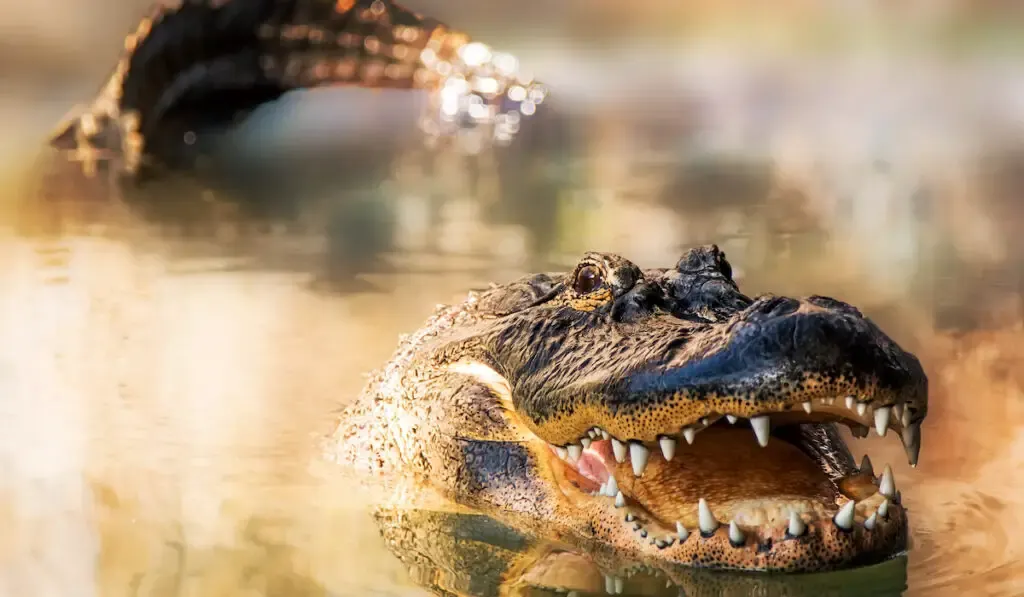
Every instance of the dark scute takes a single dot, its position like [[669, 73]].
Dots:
[[639, 302], [517, 295], [702, 286]]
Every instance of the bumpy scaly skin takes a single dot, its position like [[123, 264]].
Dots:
[[472, 402], [194, 67]]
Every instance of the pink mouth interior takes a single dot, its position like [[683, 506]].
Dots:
[[596, 463]]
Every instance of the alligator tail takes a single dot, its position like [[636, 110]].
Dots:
[[199, 66]]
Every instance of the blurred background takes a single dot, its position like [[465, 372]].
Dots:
[[171, 352]]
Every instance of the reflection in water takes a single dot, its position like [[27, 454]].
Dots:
[[170, 354]]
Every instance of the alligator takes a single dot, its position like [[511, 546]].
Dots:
[[660, 414]]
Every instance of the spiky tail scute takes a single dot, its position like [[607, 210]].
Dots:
[[197, 66]]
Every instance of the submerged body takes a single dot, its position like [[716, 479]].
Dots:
[[660, 414]]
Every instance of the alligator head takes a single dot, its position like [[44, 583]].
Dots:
[[658, 413]]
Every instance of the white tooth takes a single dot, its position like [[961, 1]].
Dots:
[[732, 419], [620, 500], [829, 401], [807, 407], [870, 522], [850, 402], [887, 486], [705, 519], [689, 434], [619, 585], [575, 451], [603, 490], [862, 407], [735, 534], [905, 418], [586, 442], [619, 449], [865, 466], [605, 435], [796, 525], [762, 429], [609, 585], [562, 452], [844, 518], [897, 411], [612, 488], [638, 453], [912, 442], [592, 434], [668, 447], [883, 509], [681, 531], [882, 420]]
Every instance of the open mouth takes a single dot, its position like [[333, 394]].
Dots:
[[776, 490]]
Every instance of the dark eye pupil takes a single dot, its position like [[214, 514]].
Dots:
[[588, 279]]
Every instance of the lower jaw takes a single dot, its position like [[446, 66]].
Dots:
[[751, 524]]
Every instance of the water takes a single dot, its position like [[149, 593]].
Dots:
[[170, 356]]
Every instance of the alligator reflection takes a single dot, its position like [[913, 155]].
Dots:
[[473, 555]]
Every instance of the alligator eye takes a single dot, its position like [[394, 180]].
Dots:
[[588, 279]]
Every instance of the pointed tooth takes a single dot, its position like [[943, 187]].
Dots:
[[689, 434], [883, 509], [732, 419], [562, 452], [865, 466], [575, 451], [762, 429], [897, 411], [736, 536], [681, 531], [603, 490], [862, 407], [829, 401], [620, 500], [605, 434], [905, 417], [612, 487], [638, 454], [619, 449], [705, 519], [585, 442], [844, 518], [668, 447], [643, 533], [609, 585], [796, 525], [882, 414], [592, 434], [870, 522], [850, 402], [630, 517], [619, 585], [808, 408], [912, 442], [887, 486]]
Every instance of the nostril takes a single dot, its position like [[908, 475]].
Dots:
[[833, 305], [777, 306]]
